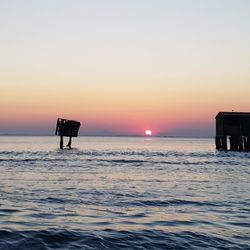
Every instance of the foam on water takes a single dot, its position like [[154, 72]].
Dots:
[[131, 193]]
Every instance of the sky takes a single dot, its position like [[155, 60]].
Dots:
[[123, 66]]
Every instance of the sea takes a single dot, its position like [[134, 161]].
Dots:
[[122, 193]]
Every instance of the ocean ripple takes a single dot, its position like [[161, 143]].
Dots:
[[111, 239], [120, 193]]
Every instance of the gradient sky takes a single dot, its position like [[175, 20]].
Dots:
[[123, 66]]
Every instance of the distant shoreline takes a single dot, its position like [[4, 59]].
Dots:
[[138, 136]]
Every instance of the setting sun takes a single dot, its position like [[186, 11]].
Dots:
[[148, 132]]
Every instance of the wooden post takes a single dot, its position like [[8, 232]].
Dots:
[[234, 143], [248, 143], [217, 143], [61, 141], [69, 143], [224, 143], [245, 143], [240, 143]]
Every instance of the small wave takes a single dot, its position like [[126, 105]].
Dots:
[[58, 200], [31, 160], [129, 157], [112, 239], [160, 203]]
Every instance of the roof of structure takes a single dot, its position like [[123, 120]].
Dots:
[[233, 113]]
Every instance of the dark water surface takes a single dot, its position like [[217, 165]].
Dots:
[[122, 193]]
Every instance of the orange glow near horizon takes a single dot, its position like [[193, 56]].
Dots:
[[117, 111]]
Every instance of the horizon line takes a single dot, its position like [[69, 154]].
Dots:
[[94, 135]]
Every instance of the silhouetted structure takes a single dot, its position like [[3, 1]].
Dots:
[[235, 128], [67, 128]]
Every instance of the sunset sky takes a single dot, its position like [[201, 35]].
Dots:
[[121, 67]]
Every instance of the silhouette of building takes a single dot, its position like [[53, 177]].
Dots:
[[67, 128], [233, 127]]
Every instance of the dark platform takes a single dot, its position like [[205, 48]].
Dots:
[[68, 128]]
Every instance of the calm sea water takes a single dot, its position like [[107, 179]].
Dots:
[[122, 193]]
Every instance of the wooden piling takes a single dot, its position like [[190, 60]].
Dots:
[[217, 143], [224, 143], [234, 143], [240, 143], [248, 143]]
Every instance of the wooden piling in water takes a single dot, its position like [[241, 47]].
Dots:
[[247, 143]]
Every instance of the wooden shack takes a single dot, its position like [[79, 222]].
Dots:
[[68, 128], [233, 128]]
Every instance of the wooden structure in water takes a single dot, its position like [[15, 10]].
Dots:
[[68, 128], [233, 128]]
